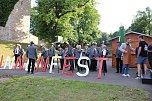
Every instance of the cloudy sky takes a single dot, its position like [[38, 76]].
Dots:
[[115, 13]]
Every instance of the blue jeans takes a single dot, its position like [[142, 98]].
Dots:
[[125, 68]]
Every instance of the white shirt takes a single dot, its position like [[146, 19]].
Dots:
[[17, 50], [104, 52]]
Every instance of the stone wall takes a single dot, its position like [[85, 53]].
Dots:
[[18, 24]]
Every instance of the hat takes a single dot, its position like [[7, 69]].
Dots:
[[94, 43], [32, 42], [87, 44], [104, 46], [66, 46], [17, 44]]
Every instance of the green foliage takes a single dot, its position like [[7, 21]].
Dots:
[[115, 34], [6, 6], [75, 20], [143, 22]]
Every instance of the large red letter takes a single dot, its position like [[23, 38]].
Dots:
[[1, 61], [38, 63], [67, 65], [45, 64], [18, 61], [100, 68]]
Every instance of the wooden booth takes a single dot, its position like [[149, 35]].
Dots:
[[134, 43]]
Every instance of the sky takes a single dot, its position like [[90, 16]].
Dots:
[[115, 13]]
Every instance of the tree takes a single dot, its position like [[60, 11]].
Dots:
[[142, 22], [65, 18], [6, 6], [86, 23]]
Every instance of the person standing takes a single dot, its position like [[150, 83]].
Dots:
[[62, 54], [126, 49], [92, 55], [104, 55], [85, 53], [118, 59], [77, 55], [44, 53], [85, 50], [141, 56], [142, 66], [32, 56], [21, 52], [51, 53], [16, 52], [70, 52], [150, 54]]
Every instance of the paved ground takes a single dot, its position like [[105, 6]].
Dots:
[[110, 78]]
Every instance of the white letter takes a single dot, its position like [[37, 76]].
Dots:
[[13, 61], [26, 67], [83, 66], [52, 63], [7, 62]]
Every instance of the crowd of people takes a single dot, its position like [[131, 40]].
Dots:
[[123, 57], [92, 52]]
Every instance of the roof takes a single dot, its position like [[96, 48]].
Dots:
[[113, 38], [130, 33], [139, 34]]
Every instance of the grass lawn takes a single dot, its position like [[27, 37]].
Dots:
[[48, 89]]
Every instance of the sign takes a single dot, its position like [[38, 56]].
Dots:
[[60, 39]]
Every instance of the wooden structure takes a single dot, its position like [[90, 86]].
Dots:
[[134, 43]]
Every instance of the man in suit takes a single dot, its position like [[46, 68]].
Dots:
[[51, 53], [85, 53], [93, 53], [32, 55], [44, 53], [62, 54], [118, 59], [70, 52], [77, 54]]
